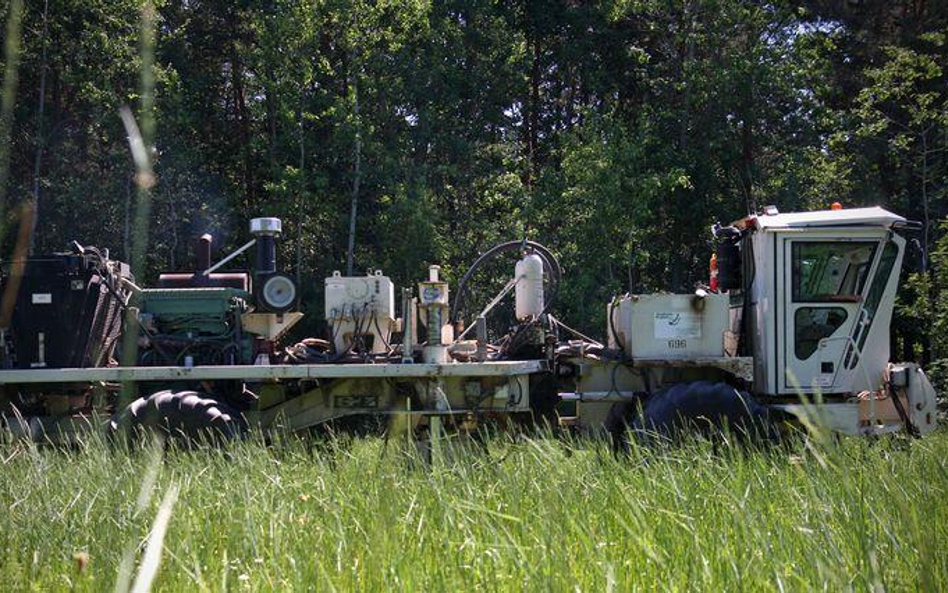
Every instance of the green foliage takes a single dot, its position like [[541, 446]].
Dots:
[[922, 314], [903, 109], [605, 218], [615, 132]]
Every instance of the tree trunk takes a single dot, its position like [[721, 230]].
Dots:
[[926, 216], [747, 162], [301, 199], [243, 126], [272, 107], [687, 56], [173, 211], [40, 140], [926, 224], [356, 182], [11, 61], [126, 235], [533, 117]]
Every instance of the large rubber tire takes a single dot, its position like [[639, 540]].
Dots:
[[703, 408], [183, 414], [707, 408], [618, 423]]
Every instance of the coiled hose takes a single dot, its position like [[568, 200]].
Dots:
[[550, 264]]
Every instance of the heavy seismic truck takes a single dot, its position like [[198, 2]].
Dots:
[[794, 329]]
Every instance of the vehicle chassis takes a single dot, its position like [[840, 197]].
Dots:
[[293, 398]]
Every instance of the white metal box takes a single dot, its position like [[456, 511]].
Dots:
[[358, 307], [669, 325], [360, 296]]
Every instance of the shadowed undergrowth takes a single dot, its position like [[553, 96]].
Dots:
[[540, 513]]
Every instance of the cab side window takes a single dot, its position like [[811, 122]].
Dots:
[[812, 324], [825, 271]]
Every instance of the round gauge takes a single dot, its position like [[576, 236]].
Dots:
[[431, 294], [279, 293]]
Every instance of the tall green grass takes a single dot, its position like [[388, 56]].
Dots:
[[539, 514]]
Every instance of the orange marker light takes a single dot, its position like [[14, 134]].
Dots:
[[836, 206], [714, 272]]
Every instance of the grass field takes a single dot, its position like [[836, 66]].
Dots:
[[538, 514]]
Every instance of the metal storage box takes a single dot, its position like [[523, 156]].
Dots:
[[355, 296], [669, 325]]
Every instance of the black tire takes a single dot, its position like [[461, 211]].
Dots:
[[183, 414], [704, 408], [619, 421], [707, 408]]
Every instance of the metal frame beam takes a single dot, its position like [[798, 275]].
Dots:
[[273, 372]]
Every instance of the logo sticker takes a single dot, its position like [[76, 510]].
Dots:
[[677, 325]]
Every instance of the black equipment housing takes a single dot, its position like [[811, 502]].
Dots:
[[728, 251], [67, 312]]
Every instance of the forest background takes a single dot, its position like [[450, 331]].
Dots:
[[392, 134]]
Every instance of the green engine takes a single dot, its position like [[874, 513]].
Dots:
[[205, 317], [194, 326]]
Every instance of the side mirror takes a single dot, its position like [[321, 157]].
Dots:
[[914, 256]]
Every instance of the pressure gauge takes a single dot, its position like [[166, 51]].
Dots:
[[278, 293]]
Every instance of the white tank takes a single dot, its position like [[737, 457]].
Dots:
[[529, 291]]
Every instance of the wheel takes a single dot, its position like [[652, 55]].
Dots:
[[702, 407], [183, 413], [618, 423]]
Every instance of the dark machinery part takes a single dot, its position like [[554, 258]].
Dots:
[[202, 252], [735, 261], [266, 254], [68, 310], [194, 326], [728, 251], [200, 278], [194, 318], [274, 292]]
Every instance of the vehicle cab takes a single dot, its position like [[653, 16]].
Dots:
[[820, 291]]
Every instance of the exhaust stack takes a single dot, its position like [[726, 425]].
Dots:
[[266, 231]]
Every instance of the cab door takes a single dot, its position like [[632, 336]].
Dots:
[[823, 282]]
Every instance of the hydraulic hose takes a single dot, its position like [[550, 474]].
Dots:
[[549, 260]]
